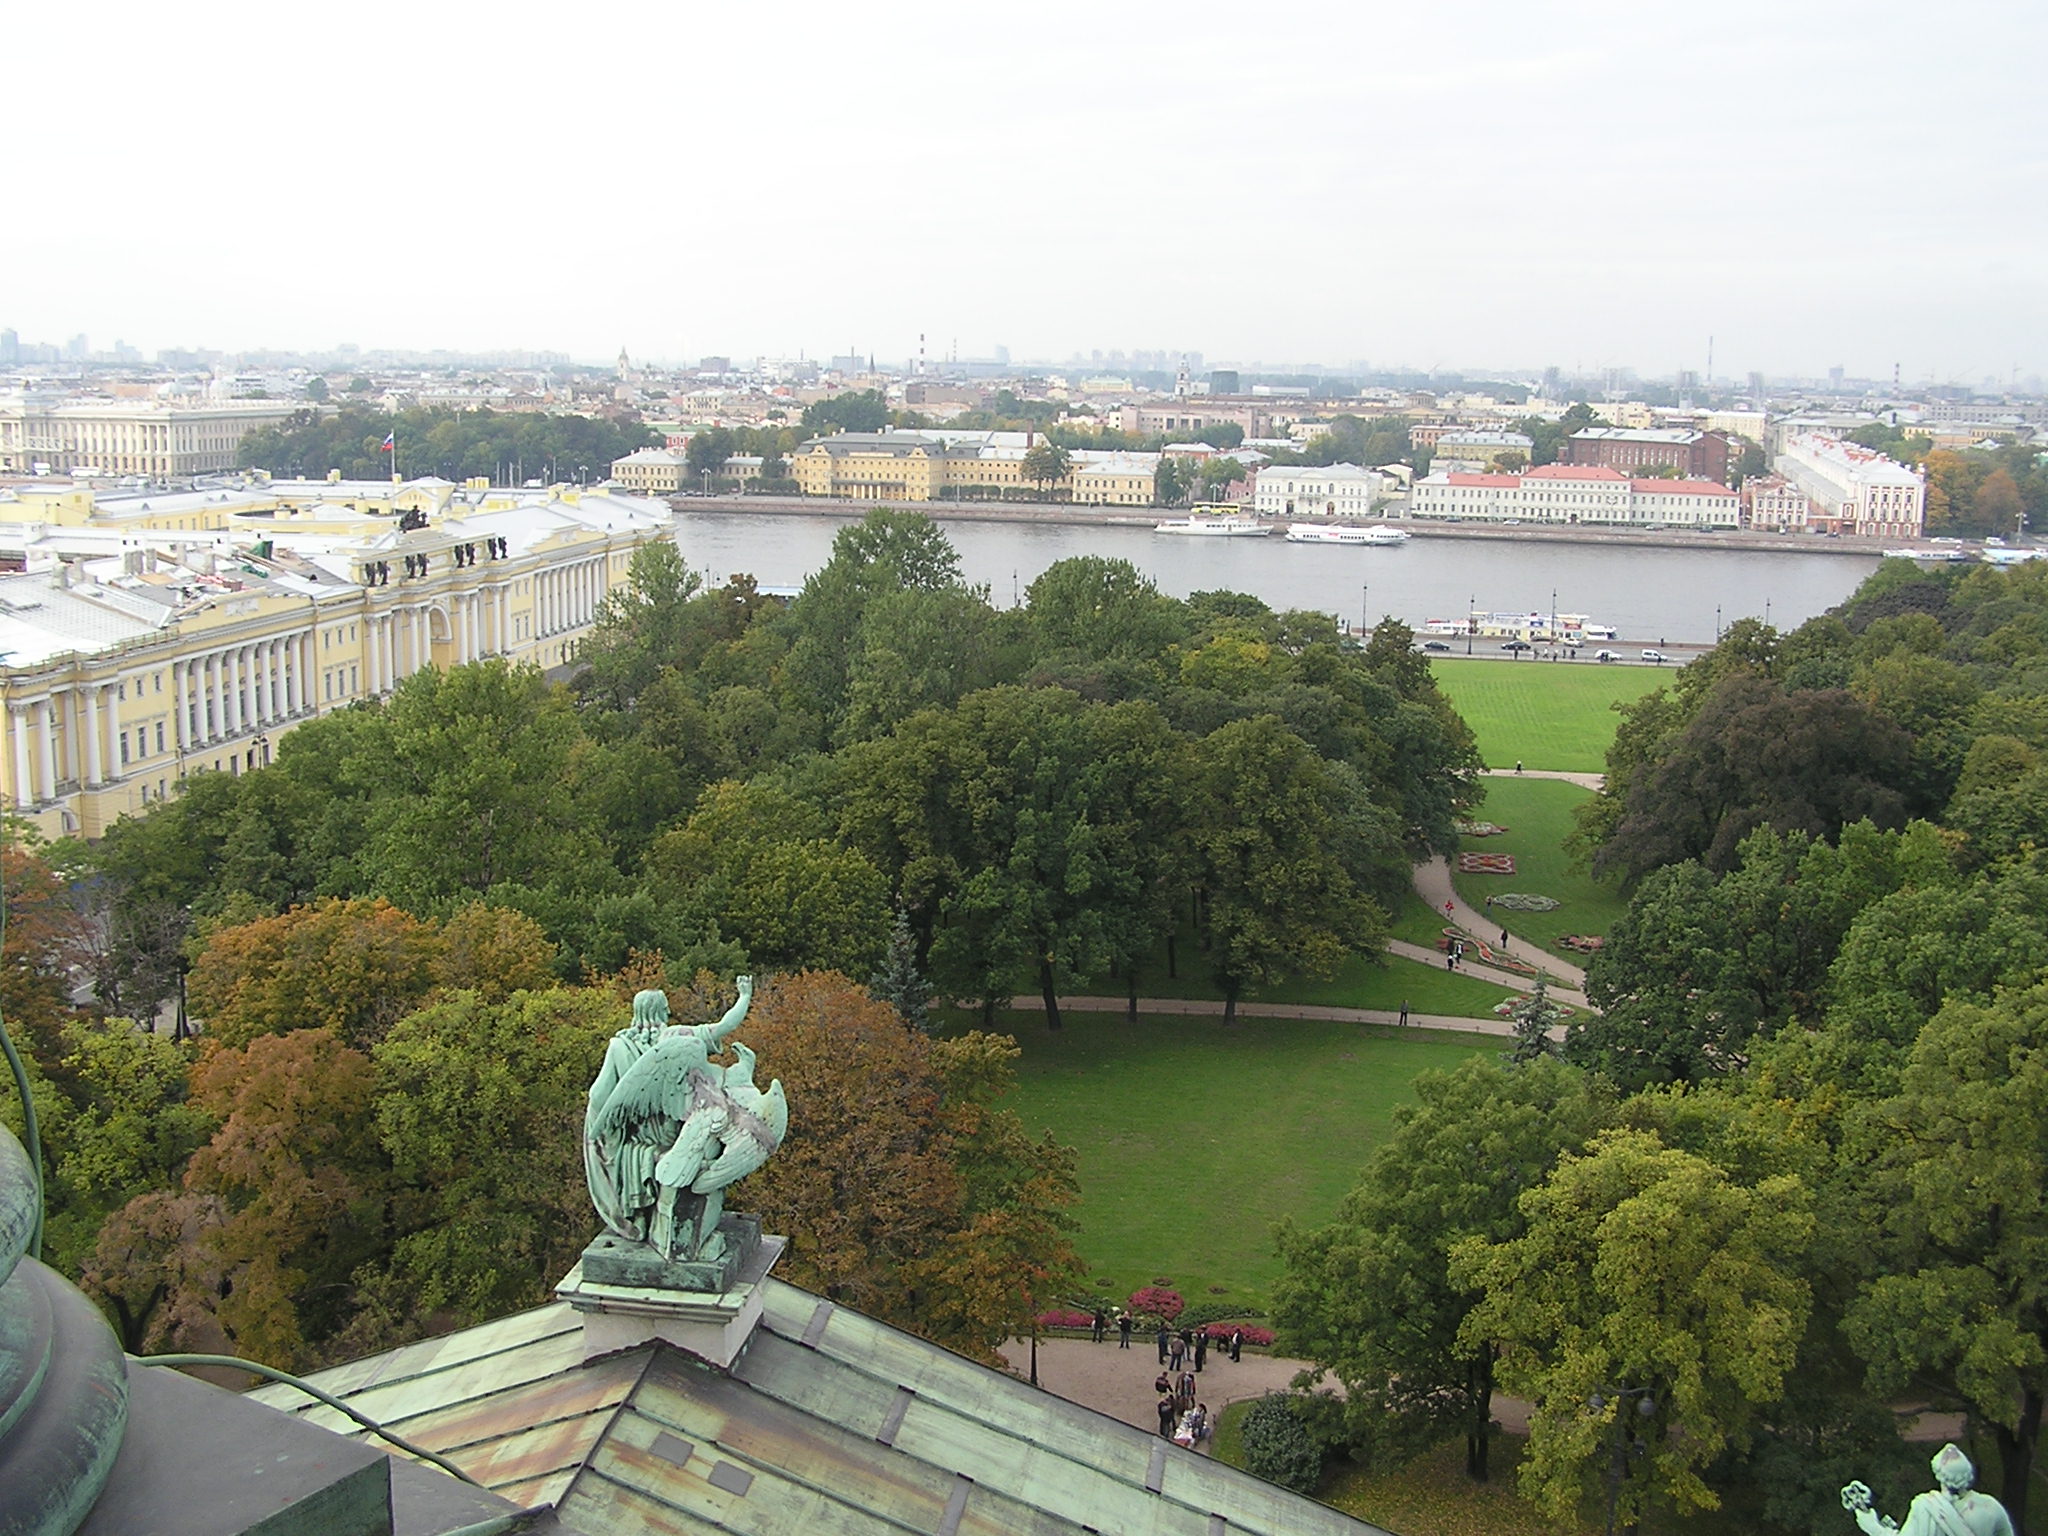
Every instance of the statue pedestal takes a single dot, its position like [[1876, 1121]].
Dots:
[[629, 1295], [615, 1260]]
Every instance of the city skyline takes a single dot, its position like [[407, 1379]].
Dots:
[[1575, 185]]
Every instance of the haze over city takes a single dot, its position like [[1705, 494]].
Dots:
[[1578, 185]]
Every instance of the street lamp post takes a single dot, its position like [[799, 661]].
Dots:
[[1627, 1444], [1471, 607], [1365, 608], [707, 482]]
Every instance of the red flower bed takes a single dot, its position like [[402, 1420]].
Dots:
[[1253, 1334], [1157, 1301], [1060, 1317]]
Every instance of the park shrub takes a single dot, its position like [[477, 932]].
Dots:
[[1157, 1301], [1278, 1448]]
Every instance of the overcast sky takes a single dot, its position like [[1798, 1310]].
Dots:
[[1433, 185]]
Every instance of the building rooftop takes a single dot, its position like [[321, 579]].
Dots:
[[828, 1423], [1673, 435]]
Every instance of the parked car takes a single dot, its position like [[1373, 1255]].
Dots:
[[1434, 645], [1516, 645], [1607, 655], [1655, 656]]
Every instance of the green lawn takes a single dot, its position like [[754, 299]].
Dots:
[[1538, 816], [1192, 1140], [1547, 714]]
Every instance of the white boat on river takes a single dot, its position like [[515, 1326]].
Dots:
[[1377, 537], [1216, 527]]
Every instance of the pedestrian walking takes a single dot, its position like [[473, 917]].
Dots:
[[1175, 1353], [1162, 1343], [1503, 938], [1162, 1383], [1489, 903], [1167, 1410], [1123, 1330], [1236, 1344], [1201, 1349], [1187, 1343], [1101, 1324], [1404, 1013], [1187, 1391], [1518, 765], [1450, 961]]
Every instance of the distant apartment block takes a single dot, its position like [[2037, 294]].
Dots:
[[1571, 494], [1855, 489], [1339, 490], [1191, 417], [53, 435], [1472, 448], [1695, 455]]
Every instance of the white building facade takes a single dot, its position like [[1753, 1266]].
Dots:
[[1570, 494], [1339, 490], [40, 434], [1855, 489]]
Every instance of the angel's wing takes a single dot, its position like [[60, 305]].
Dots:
[[655, 1090]]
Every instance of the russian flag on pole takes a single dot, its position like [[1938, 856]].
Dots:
[[391, 442]]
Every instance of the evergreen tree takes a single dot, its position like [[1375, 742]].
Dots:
[[899, 982]]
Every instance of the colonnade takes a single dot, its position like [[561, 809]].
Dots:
[[71, 736]]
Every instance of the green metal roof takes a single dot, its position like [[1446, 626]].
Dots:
[[829, 1424]]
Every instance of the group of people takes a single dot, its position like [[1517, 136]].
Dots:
[[1182, 1355]]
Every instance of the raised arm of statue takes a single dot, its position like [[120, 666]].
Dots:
[[736, 1015]]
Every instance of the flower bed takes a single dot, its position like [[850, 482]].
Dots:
[[1157, 1301], [1061, 1317]]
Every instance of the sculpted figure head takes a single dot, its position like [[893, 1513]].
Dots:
[[650, 1010], [1952, 1469]]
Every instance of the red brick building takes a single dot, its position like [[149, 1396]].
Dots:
[[1695, 455]]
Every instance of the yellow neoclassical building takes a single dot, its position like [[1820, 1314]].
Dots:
[[937, 465], [137, 648]]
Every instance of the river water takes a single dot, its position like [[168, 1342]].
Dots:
[[1651, 595]]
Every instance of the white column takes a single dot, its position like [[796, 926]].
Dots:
[[469, 626], [252, 689], [230, 693], [89, 695], [179, 723], [18, 727], [46, 750], [272, 704], [290, 675]]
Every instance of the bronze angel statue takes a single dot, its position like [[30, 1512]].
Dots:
[[666, 1130]]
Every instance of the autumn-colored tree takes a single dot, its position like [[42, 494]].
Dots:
[[496, 952], [354, 966], [903, 1192], [254, 1256], [45, 938]]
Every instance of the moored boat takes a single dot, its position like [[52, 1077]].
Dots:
[[1216, 527], [1379, 536]]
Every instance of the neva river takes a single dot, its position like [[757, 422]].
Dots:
[[1650, 595]]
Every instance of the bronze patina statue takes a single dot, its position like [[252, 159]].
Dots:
[[666, 1131], [1953, 1509]]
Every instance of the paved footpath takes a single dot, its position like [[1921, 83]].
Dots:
[[1433, 884], [1118, 1382]]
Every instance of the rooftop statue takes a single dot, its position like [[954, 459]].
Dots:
[[1953, 1509], [667, 1130]]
